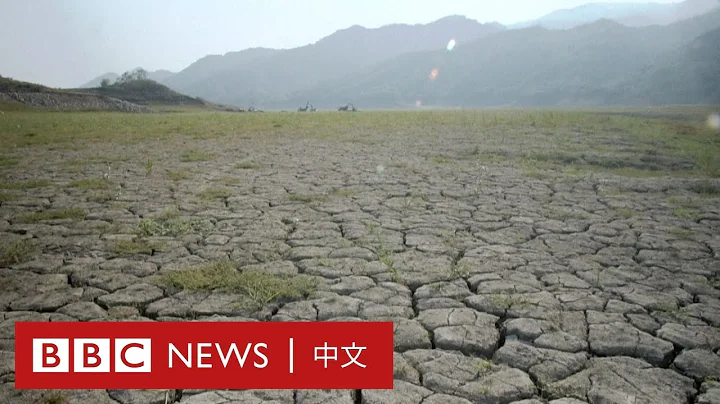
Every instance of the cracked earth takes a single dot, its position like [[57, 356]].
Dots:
[[503, 287]]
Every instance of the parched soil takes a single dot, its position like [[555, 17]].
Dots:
[[507, 281]]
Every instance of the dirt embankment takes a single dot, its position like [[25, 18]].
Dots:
[[72, 101]]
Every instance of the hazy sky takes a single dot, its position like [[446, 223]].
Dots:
[[65, 43]]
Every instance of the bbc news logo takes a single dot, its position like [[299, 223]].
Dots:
[[204, 355]]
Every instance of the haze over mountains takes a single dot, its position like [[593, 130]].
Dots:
[[597, 54], [629, 14]]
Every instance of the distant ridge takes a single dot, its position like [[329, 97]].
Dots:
[[132, 96], [158, 75], [598, 57], [629, 14]]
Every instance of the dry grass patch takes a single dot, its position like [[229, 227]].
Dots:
[[7, 197], [306, 198], [91, 183], [149, 164], [259, 286], [706, 189], [624, 213], [214, 193], [101, 196], [246, 165], [564, 214], [136, 246], [8, 162], [55, 397], [54, 214], [228, 180], [194, 156], [178, 175], [508, 301], [17, 252], [686, 214], [680, 233], [25, 184], [171, 225], [344, 192]]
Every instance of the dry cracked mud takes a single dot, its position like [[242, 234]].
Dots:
[[503, 287]]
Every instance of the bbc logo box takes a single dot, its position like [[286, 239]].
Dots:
[[204, 355], [52, 355]]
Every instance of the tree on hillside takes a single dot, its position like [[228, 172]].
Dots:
[[137, 74], [105, 82], [140, 74]]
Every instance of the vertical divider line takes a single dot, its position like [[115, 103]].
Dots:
[[292, 360]]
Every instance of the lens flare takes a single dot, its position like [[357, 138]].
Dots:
[[451, 45], [714, 121], [434, 73]]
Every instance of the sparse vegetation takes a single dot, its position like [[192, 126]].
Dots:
[[507, 301], [54, 214], [624, 213], [461, 270], [246, 165], [259, 286], [228, 180], [91, 183], [18, 251], [489, 157], [136, 245], [189, 156], [149, 167], [55, 397], [178, 175], [386, 258], [612, 192], [8, 162], [306, 198], [7, 197], [706, 189], [343, 192], [564, 214], [172, 226], [369, 226], [670, 307], [556, 318], [685, 213], [484, 365], [101, 196], [707, 160], [169, 213], [214, 193], [25, 184], [326, 262], [681, 233], [403, 370]]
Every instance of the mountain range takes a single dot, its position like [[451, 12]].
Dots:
[[628, 14], [597, 54]]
